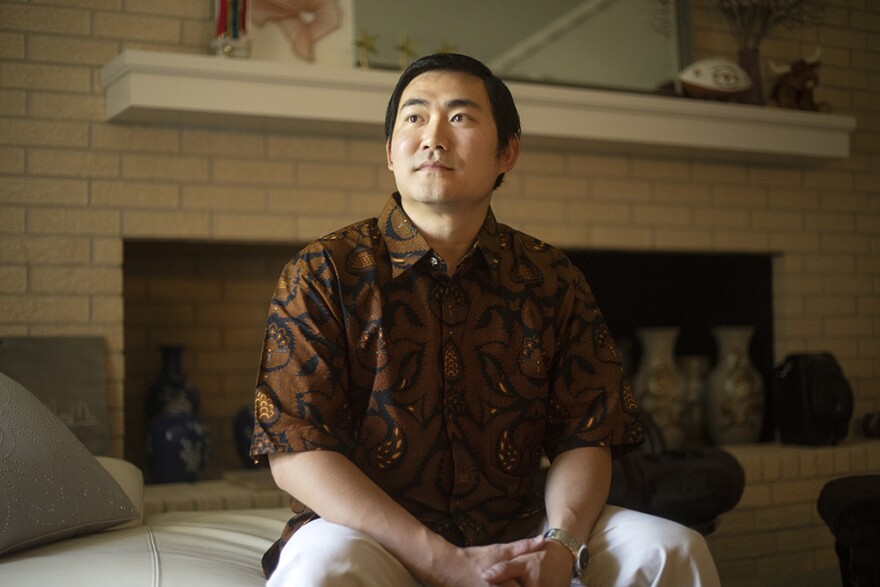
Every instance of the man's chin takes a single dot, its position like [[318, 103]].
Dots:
[[431, 192]]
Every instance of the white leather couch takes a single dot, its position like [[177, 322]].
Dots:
[[70, 518], [215, 548]]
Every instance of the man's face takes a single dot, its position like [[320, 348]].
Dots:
[[444, 148]]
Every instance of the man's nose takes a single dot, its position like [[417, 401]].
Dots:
[[436, 135]]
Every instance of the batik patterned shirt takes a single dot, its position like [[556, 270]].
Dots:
[[444, 390]]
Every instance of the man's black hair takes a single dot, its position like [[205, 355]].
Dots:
[[503, 107]]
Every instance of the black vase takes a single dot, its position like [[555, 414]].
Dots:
[[178, 442]]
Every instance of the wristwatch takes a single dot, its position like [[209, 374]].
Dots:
[[578, 550]]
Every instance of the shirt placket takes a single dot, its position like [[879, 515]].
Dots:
[[453, 311]]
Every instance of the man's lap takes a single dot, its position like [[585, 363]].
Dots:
[[626, 548]]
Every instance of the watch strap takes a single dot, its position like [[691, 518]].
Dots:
[[578, 549]]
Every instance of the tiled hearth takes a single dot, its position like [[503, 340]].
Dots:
[[773, 538]]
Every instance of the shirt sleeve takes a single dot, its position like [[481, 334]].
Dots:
[[300, 401], [591, 398]]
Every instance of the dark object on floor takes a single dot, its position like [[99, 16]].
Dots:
[[689, 487], [850, 507], [871, 424]]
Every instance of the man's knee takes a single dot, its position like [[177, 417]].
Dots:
[[639, 549], [315, 557], [669, 536], [324, 554]]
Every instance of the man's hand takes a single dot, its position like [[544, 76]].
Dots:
[[466, 567], [549, 567]]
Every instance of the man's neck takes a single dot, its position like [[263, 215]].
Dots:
[[450, 231]]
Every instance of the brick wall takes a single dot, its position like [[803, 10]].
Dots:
[[73, 188]]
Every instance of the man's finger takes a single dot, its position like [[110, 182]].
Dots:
[[502, 572], [525, 546]]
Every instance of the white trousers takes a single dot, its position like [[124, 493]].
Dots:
[[627, 549]]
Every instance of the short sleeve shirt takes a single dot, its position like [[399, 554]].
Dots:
[[444, 390]]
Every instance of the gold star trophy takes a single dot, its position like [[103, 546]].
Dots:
[[446, 47], [406, 50], [366, 44]]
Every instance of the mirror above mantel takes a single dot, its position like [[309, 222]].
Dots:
[[631, 45], [175, 89]]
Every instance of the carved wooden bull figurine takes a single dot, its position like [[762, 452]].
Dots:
[[794, 88]]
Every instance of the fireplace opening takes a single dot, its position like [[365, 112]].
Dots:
[[212, 298], [694, 292]]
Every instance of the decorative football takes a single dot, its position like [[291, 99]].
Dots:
[[714, 78]]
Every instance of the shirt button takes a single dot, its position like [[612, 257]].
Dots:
[[434, 261]]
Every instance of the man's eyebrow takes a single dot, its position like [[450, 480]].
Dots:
[[454, 103], [414, 102], [462, 102]]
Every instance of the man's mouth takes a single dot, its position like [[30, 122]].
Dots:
[[433, 166]]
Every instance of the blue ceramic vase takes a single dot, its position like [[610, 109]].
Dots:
[[177, 448], [172, 391], [178, 442]]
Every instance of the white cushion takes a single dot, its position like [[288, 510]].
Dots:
[[221, 548]]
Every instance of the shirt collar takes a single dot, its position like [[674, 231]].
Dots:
[[406, 246]]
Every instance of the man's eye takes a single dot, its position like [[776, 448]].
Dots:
[[458, 118], [412, 118]]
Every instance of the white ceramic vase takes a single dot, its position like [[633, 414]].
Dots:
[[695, 370], [659, 386], [735, 403]]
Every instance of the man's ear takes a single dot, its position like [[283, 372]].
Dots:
[[509, 155], [388, 155]]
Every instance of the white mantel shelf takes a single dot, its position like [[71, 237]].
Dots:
[[169, 88]]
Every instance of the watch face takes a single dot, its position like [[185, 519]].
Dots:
[[583, 558]]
